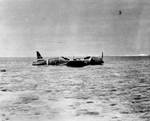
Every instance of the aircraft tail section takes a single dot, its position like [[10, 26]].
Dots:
[[38, 55]]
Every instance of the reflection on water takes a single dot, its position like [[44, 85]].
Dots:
[[117, 91]]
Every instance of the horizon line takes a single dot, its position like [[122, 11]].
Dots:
[[145, 55]]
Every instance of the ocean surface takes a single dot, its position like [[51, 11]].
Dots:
[[119, 90]]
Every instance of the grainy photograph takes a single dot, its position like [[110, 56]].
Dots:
[[74, 60]]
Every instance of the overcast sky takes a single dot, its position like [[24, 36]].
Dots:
[[74, 27]]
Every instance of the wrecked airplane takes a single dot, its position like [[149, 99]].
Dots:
[[71, 62]]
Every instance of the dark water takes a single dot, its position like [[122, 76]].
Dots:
[[119, 90]]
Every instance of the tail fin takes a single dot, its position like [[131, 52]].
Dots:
[[38, 55], [102, 54]]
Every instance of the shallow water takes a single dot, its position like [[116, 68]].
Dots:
[[119, 90]]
